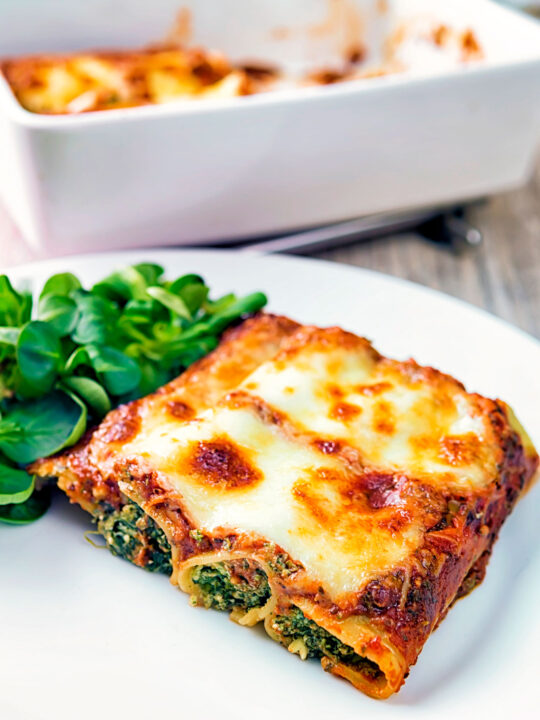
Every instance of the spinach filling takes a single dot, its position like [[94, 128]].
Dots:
[[225, 586], [320, 643], [131, 534]]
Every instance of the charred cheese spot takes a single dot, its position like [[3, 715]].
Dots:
[[372, 390], [334, 391], [395, 522], [344, 411], [240, 400], [328, 447], [180, 410], [471, 48], [440, 406], [462, 450], [424, 444], [305, 492], [441, 35], [384, 418], [451, 450], [222, 464], [377, 489]]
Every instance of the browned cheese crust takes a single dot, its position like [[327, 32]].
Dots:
[[83, 471]]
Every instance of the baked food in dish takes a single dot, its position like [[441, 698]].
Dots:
[[83, 82], [302, 479], [106, 80]]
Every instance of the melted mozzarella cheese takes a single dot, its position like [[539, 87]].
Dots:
[[254, 463], [396, 420], [297, 502]]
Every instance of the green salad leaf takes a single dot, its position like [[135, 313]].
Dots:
[[90, 392], [9, 335], [39, 355], [28, 511], [42, 427], [15, 307], [96, 316], [117, 371], [16, 486], [84, 351], [60, 284], [79, 356], [60, 312], [171, 301]]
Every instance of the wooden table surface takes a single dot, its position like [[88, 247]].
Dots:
[[502, 276]]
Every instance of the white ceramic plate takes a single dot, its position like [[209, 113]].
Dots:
[[86, 635]]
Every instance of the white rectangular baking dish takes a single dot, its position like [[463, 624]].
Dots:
[[222, 170]]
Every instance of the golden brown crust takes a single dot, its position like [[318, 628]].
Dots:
[[221, 463], [84, 473]]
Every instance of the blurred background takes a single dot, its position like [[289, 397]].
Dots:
[[486, 252], [501, 275]]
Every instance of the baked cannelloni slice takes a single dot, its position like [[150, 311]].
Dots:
[[86, 472], [344, 499]]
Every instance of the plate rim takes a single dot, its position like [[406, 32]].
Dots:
[[39, 265]]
